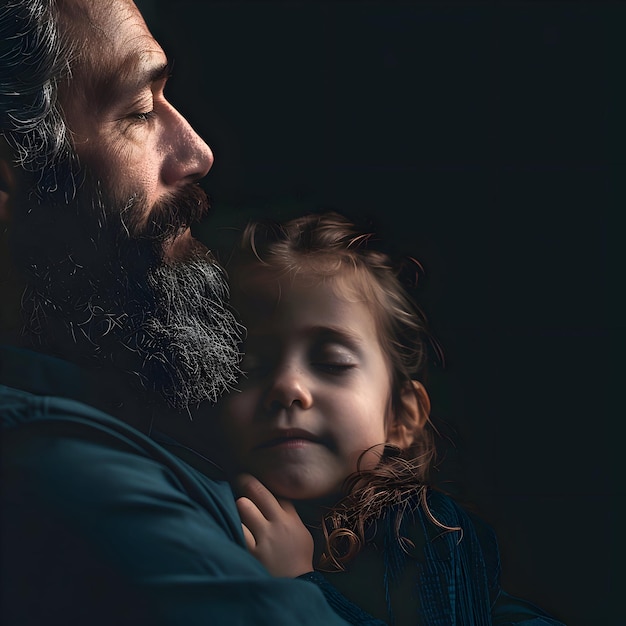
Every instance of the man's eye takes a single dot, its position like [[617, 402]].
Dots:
[[144, 116]]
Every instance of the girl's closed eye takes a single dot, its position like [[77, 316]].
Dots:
[[335, 362], [336, 369]]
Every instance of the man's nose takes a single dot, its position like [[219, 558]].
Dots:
[[187, 156], [287, 387]]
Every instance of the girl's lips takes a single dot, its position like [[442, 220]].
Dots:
[[289, 438], [287, 443]]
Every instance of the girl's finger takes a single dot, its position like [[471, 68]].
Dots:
[[249, 538], [256, 492], [287, 506], [251, 516]]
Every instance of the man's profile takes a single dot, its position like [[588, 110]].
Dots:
[[115, 326]]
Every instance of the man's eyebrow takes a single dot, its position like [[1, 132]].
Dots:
[[160, 72], [135, 74], [129, 77]]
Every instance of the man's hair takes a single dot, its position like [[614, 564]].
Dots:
[[34, 60]]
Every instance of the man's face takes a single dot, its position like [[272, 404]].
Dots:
[[114, 276], [124, 130]]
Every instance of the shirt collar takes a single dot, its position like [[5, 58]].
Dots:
[[48, 375]]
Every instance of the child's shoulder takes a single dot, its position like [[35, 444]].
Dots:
[[441, 506], [447, 510], [432, 524], [453, 529], [447, 526]]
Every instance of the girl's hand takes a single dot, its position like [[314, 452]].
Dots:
[[273, 530]]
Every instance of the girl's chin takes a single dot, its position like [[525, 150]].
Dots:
[[293, 493], [302, 492]]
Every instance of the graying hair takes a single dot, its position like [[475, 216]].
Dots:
[[34, 59]]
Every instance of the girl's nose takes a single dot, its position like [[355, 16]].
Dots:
[[288, 386]]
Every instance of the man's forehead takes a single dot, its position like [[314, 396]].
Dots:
[[118, 52], [116, 23]]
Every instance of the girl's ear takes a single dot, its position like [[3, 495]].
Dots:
[[411, 415]]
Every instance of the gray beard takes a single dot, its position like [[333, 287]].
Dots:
[[100, 293], [200, 334]]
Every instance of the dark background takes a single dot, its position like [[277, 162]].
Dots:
[[483, 139]]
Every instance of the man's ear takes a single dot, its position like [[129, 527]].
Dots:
[[410, 416]]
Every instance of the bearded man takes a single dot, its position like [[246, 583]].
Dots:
[[116, 327]]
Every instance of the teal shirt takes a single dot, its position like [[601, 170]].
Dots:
[[103, 525]]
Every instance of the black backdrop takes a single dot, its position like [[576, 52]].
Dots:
[[481, 138]]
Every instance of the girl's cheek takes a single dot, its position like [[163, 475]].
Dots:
[[238, 413]]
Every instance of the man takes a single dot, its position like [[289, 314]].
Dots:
[[115, 326]]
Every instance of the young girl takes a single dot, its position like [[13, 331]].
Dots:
[[332, 415]]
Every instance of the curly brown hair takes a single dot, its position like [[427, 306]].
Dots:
[[329, 245]]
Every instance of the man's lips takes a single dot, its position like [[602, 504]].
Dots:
[[290, 438], [183, 246]]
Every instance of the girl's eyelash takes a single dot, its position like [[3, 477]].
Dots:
[[337, 368]]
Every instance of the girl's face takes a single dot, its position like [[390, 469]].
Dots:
[[317, 392]]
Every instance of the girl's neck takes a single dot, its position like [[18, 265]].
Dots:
[[312, 512]]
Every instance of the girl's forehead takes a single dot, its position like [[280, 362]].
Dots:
[[311, 271], [268, 284], [267, 295]]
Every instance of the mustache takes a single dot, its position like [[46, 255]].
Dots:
[[168, 217]]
